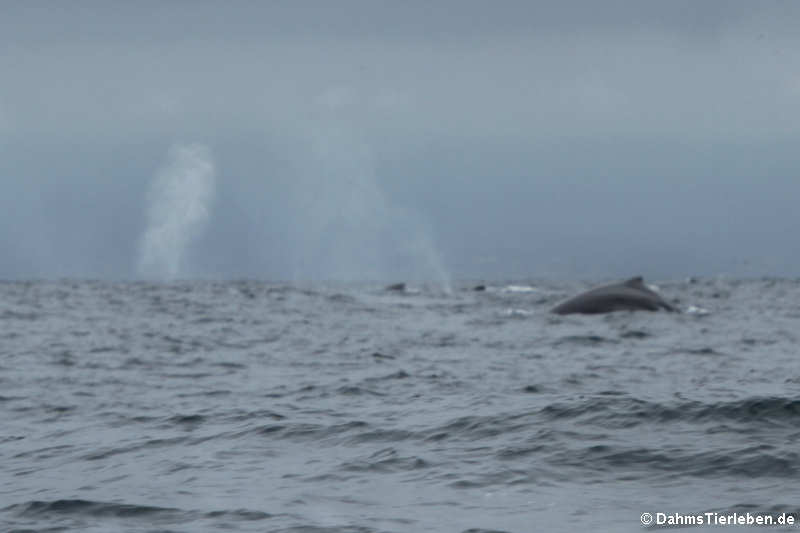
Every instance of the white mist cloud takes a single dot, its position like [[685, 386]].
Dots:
[[179, 206], [344, 227]]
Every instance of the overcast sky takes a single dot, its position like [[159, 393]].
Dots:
[[399, 140]]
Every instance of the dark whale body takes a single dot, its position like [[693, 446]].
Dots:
[[630, 295]]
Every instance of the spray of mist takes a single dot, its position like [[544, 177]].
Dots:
[[346, 228], [178, 208]]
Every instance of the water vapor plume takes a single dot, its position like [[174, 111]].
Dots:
[[178, 208], [346, 228]]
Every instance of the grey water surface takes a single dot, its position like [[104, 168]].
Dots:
[[254, 406]]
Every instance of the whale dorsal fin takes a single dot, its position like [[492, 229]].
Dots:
[[635, 283]]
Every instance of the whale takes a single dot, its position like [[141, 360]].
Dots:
[[629, 295]]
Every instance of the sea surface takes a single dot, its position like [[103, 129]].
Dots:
[[254, 406]]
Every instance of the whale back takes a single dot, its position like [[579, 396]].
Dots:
[[636, 282], [631, 295]]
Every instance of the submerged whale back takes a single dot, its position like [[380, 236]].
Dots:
[[630, 295]]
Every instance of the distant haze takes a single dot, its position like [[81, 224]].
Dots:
[[401, 140]]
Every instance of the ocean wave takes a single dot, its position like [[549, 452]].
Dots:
[[631, 462], [37, 508], [628, 411]]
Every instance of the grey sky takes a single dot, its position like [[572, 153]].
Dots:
[[403, 139]]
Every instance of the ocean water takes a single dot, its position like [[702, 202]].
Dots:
[[252, 406]]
